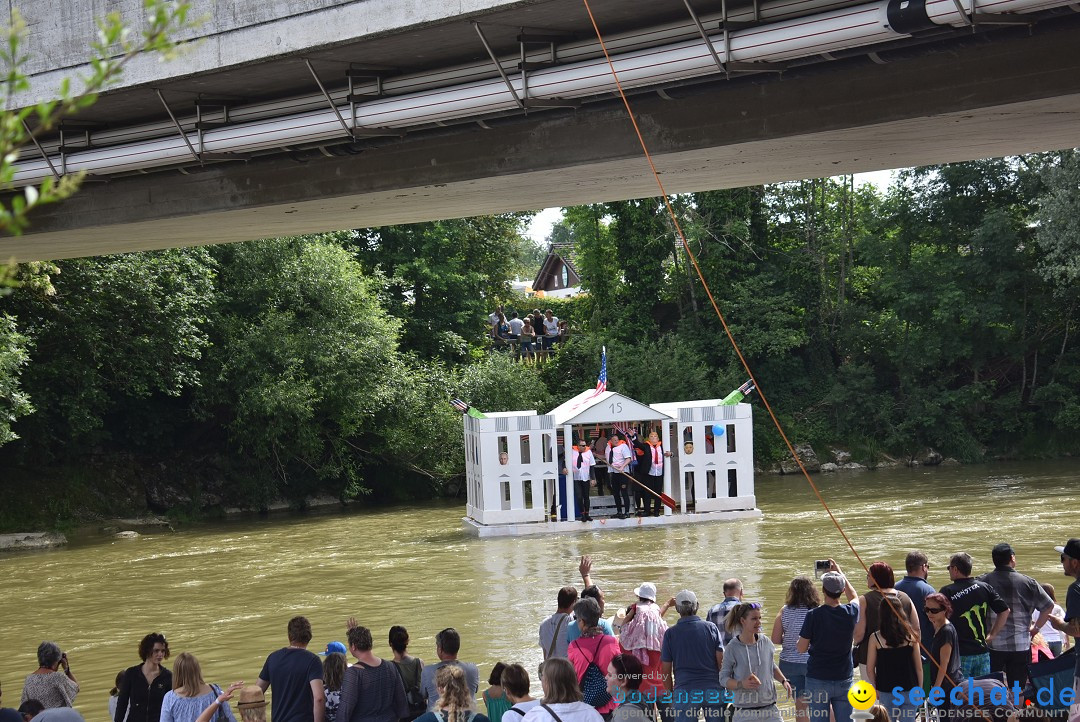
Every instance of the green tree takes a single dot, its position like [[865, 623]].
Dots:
[[443, 278], [303, 366]]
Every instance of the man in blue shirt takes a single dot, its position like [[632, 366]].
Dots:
[[694, 651], [1070, 563], [916, 587], [827, 634]]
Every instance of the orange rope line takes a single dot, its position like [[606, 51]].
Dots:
[[701, 276]]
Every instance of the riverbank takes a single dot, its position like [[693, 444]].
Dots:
[[112, 492]]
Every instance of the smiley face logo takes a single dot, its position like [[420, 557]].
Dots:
[[862, 695]]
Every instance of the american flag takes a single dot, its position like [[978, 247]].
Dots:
[[459, 405], [601, 380]]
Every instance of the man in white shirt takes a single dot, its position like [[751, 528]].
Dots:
[[516, 324], [619, 455], [551, 329], [581, 464]]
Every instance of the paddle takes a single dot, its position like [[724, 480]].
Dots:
[[664, 498]]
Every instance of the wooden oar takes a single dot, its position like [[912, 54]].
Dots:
[[664, 498]]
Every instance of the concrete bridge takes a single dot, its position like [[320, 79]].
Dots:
[[934, 94]]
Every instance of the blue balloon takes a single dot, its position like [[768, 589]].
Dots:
[[717, 430]]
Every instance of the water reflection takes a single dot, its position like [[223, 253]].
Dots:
[[226, 591]]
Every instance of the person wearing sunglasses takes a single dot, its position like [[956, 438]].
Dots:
[[1070, 624], [945, 650]]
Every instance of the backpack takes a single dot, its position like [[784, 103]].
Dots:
[[594, 682], [414, 696]]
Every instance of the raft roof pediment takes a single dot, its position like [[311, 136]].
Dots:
[[588, 407]]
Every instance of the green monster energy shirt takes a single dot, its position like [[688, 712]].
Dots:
[[971, 601]]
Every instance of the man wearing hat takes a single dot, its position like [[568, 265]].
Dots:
[[1070, 563], [827, 634], [693, 651], [1010, 650]]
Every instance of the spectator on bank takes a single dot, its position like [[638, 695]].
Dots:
[[334, 667], [144, 686], [733, 594], [447, 646], [455, 700], [972, 601], [592, 647], [191, 695], [882, 584], [30, 709], [1070, 623], [562, 696], [371, 690], [945, 649], [625, 676], [527, 339], [691, 657], [48, 684], [551, 329], [516, 324], [827, 634], [642, 635], [411, 670], [751, 681], [593, 592], [114, 695], [802, 596], [296, 677], [914, 585], [1029, 608], [893, 659], [495, 700], [515, 682], [1055, 640], [553, 629]]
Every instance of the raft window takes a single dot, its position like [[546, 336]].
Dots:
[[710, 442], [710, 484], [504, 488], [547, 448], [525, 456], [732, 482], [730, 434], [527, 493], [688, 434]]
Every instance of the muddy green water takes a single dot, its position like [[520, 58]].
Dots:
[[225, 592]]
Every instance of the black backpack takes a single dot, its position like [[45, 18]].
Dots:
[[594, 681]]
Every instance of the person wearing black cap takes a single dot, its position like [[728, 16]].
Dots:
[[1070, 563], [1010, 650]]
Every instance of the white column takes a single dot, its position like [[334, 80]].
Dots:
[[568, 445], [667, 468]]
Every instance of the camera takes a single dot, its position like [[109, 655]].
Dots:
[[820, 567]]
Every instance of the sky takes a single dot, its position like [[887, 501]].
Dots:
[[541, 224]]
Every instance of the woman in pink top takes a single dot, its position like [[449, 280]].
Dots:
[[593, 647]]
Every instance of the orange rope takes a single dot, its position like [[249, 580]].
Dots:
[[701, 276]]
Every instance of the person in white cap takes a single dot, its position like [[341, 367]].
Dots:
[[690, 660], [1070, 624], [642, 635]]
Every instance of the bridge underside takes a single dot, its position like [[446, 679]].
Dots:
[[987, 95]]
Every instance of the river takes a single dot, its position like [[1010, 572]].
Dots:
[[225, 591]]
